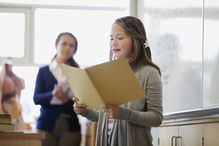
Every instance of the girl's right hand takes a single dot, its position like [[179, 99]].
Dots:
[[79, 108]]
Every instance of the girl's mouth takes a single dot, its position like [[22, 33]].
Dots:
[[116, 49]]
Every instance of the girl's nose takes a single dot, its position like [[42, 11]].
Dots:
[[114, 43]]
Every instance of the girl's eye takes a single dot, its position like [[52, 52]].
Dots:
[[71, 45], [64, 43], [120, 38]]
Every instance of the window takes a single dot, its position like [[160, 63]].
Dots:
[[175, 35], [95, 3], [15, 34], [92, 34], [12, 28]]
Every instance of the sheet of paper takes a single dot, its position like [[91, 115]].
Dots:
[[116, 82], [82, 86]]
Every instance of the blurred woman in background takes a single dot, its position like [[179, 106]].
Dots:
[[53, 93]]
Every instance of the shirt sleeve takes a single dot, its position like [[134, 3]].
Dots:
[[41, 97], [153, 116], [91, 115]]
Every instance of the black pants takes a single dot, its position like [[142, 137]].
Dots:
[[61, 135]]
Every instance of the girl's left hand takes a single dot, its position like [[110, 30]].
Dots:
[[112, 111]]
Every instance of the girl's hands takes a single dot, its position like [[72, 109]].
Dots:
[[63, 96], [79, 108], [112, 111]]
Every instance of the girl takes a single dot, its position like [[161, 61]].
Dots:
[[129, 124], [52, 92]]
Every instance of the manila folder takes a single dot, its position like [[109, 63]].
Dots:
[[112, 82]]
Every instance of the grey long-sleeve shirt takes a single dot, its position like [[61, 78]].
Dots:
[[135, 118]]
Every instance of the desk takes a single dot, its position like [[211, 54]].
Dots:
[[21, 138]]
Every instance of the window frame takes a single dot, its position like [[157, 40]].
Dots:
[[29, 11], [27, 39]]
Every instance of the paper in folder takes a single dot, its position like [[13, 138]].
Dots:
[[111, 82]]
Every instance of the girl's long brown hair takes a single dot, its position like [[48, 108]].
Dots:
[[135, 29]]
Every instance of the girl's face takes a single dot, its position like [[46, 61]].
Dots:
[[120, 42], [65, 48]]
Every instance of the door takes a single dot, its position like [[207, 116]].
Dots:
[[190, 135], [211, 132], [167, 135]]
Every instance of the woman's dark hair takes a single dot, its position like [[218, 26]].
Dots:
[[71, 60]]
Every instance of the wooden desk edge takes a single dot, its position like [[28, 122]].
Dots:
[[22, 135]]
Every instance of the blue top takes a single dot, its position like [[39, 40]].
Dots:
[[44, 85]]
